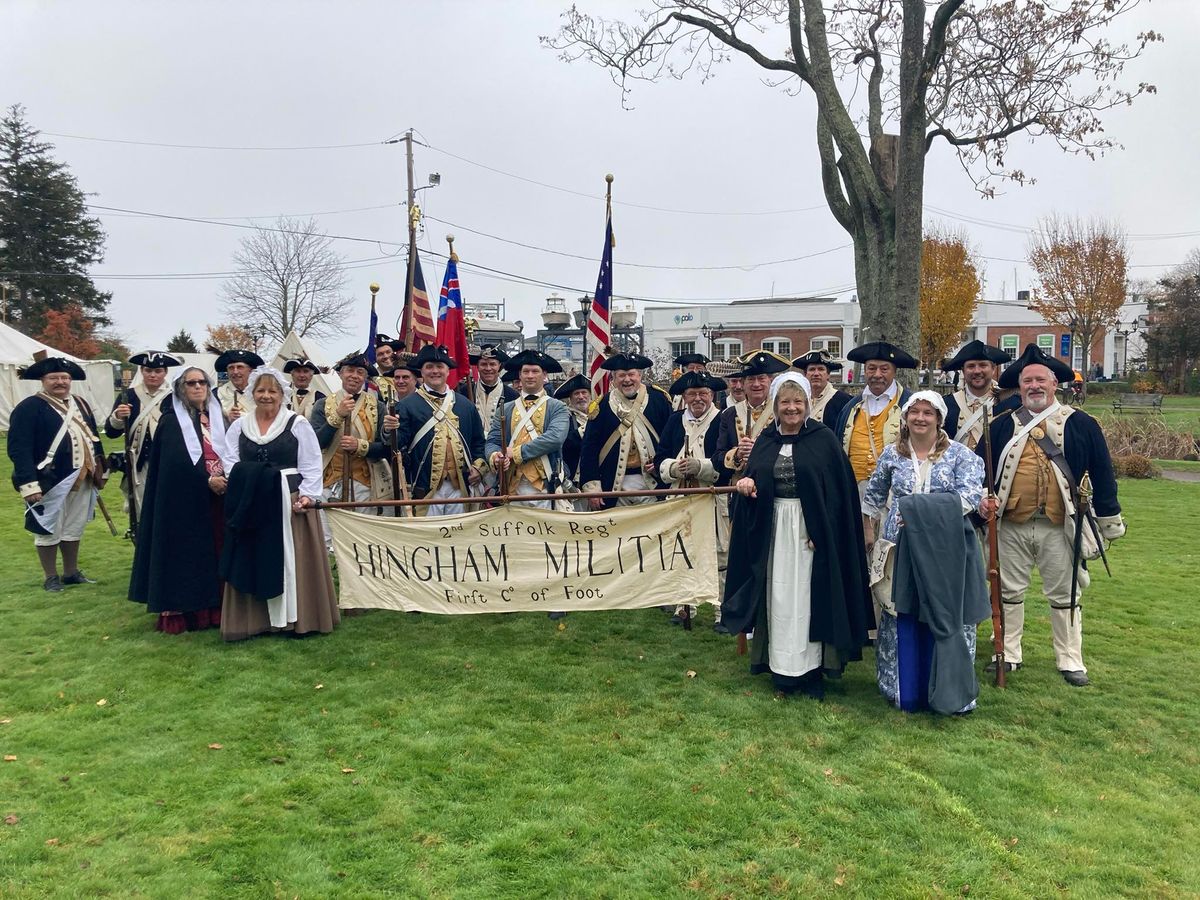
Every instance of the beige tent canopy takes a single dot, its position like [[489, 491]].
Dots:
[[17, 349]]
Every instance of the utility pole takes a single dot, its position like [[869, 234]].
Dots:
[[414, 214]]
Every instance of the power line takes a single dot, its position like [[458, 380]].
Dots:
[[593, 259], [100, 140]]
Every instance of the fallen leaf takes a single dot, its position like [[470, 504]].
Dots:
[[5, 721], [10, 758], [105, 638], [347, 771], [64, 778], [278, 760], [691, 673], [102, 702], [356, 781], [1012, 842], [562, 626], [318, 687], [468, 666], [215, 747], [11, 820], [840, 880], [61, 695], [829, 773], [53, 842]]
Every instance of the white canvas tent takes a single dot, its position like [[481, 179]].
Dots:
[[17, 349], [293, 347]]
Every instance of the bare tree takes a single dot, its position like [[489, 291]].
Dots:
[[289, 278], [1081, 270], [971, 74]]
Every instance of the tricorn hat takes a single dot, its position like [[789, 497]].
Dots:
[[1034, 356], [696, 380], [381, 339], [48, 366], [817, 358], [155, 359], [489, 351], [358, 360], [975, 350], [249, 357], [687, 359], [431, 353], [571, 385], [763, 362], [884, 352], [620, 361], [406, 360], [301, 363], [532, 358]]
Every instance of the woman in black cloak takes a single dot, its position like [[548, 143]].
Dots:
[[797, 574], [183, 515]]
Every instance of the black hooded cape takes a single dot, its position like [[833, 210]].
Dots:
[[175, 560], [842, 609]]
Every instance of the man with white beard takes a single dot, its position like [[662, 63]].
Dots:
[[1041, 455]]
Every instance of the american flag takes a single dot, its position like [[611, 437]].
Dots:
[[599, 331], [417, 328]]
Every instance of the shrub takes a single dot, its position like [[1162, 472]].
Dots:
[[1135, 466]]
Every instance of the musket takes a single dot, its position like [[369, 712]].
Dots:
[[993, 572], [1076, 553], [104, 512], [502, 476], [688, 482], [131, 469], [399, 482], [347, 458]]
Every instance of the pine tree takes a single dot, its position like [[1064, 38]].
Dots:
[[47, 238], [182, 343]]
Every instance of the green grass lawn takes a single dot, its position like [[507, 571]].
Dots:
[[499, 756], [1179, 412]]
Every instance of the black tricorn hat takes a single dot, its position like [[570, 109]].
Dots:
[[975, 350], [687, 359], [434, 354], [571, 385], [50, 365], [883, 351], [489, 351], [763, 362], [508, 376], [155, 359], [406, 360], [358, 360], [817, 358], [690, 380], [249, 357], [301, 363], [381, 339], [1033, 356], [619, 361], [530, 357]]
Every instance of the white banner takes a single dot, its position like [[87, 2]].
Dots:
[[522, 559]]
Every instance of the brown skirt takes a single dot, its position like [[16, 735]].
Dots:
[[243, 616]]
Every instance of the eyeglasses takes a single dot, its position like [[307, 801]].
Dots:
[[195, 383]]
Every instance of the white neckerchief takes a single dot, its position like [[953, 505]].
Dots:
[[216, 426], [874, 404], [985, 403], [278, 424], [922, 470], [632, 410]]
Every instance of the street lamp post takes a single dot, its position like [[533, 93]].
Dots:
[[712, 333], [585, 305]]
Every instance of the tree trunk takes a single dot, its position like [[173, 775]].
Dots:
[[874, 275]]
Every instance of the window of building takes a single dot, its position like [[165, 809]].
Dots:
[[1045, 343], [678, 348], [780, 345], [726, 348], [1009, 344], [832, 345]]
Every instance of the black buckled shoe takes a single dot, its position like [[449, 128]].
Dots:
[[53, 584], [1077, 678], [990, 668], [78, 578]]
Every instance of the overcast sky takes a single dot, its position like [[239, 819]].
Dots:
[[718, 160]]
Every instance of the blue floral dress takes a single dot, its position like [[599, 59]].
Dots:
[[957, 471]]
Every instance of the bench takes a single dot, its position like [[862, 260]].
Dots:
[[1137, 402]]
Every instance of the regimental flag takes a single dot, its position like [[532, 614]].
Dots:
[[599, 332], [416, 327], [451, 326], [371, 332]]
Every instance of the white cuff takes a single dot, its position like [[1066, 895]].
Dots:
[[29, 489]]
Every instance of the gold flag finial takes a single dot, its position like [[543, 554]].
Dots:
[[373, 287]]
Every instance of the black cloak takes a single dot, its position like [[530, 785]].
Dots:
[[842, 609], [175, 560]]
